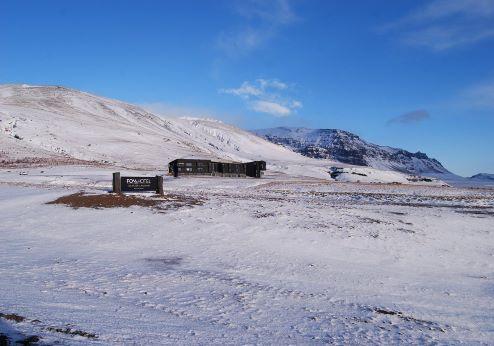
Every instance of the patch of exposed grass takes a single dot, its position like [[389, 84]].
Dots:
[[12, 317], [75, 332], [100, 201]]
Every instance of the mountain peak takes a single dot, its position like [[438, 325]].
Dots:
[[347, 147]]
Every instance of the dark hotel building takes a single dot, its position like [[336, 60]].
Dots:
[[223, 169]]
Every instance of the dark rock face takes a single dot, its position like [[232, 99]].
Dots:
[[349, 148]]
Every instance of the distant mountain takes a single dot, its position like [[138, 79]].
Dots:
[[487, 177], [349, 148]]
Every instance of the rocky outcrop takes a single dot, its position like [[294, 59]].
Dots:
[[346, 147]]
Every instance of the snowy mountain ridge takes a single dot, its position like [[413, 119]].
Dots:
[[53, 125], [346, 147], [57, 123]]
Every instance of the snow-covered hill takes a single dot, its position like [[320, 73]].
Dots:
[[483, 177], [62, 125], [349, 148], [46, 125]]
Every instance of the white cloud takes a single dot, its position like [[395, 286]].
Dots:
[[263, 21], [439, 9], [245, 90], [274, 11], [294, 104], [480, 96], [264, 96], [440, 38], [445, 24], [270, 107], [272, 83], [235, 43]]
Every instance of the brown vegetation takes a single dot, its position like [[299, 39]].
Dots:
[[71, 331], [31, 162], [111, 200], [12, 317]]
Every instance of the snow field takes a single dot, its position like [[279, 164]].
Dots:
[[280, 260]]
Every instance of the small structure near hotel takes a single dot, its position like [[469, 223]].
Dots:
[[216, 168], [137, 184]]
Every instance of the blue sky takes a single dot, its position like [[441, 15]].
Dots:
[[412, 74]]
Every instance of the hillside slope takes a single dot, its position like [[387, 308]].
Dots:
[[483, 177], [349, 148], [45, 125], [61, 124]]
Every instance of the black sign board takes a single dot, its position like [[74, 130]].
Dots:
[[137, 184]]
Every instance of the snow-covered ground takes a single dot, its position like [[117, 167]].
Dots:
[[359, 174], [287, 259]]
